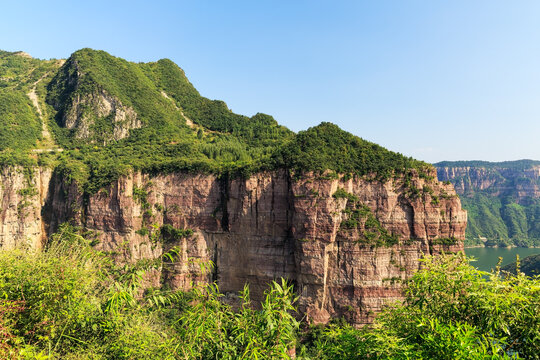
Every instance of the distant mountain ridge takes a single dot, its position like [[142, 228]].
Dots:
[[514, 164], [502, 199]]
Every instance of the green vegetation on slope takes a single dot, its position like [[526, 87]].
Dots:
[[180, 130], [164, 143], [529, 265], [18, 73], [71, 302], [89, 72], [501, 223], [327, 147], [20, 127], [483, 218], [259, 130]]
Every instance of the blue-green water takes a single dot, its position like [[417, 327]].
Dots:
[[488, 257]]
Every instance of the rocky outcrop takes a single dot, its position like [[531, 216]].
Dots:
[[22, 196], [23, 54], [93, 115], [100, 117]]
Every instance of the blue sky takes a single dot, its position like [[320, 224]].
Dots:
[[436, 80]]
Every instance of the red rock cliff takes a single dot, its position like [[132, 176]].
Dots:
[[274, 225]]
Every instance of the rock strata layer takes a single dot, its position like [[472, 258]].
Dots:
[[522, 184], [346, 243]]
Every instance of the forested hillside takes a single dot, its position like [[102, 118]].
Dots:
[[502, 200], [529, 265]]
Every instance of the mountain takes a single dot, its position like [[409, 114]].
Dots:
[[502, 200], [132, 153]]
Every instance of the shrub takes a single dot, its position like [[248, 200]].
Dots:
[[450, 311]]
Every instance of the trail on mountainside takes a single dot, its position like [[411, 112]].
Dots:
[[189, 122], [46, 135]]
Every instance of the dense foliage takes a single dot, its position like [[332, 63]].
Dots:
[[72, 302], [20, 127], [327, 147]]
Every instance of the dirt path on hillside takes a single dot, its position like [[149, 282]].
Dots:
[[32, 95], [189, 122], [47, 139]]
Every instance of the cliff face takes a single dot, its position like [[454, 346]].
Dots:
[[338, 273], [521, 183], [257, 229], [503, 200], [22, 196]]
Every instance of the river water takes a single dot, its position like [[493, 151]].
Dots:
[[488, 256]]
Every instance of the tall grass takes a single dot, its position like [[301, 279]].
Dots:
[[72, 302]]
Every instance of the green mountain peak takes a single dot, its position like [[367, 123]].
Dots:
[[110, 116]]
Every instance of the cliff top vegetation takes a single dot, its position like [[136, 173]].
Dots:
[[87, 102]]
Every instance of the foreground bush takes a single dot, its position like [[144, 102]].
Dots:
[[72, 302], [451, 311]]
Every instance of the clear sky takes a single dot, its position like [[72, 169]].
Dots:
[[436, 80]]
